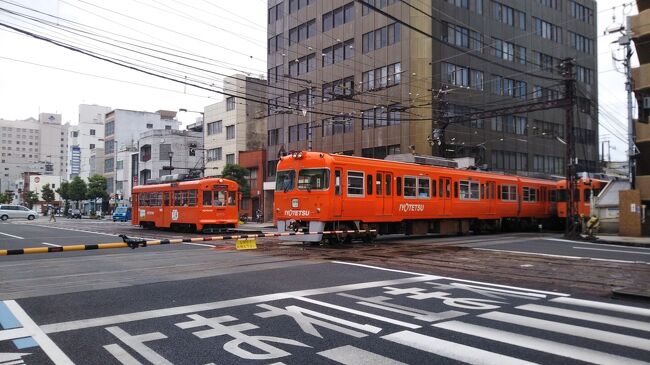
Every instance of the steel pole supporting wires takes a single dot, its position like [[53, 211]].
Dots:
[[136, 242]]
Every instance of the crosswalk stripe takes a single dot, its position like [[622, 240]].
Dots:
[[592, 317], [607, 306], [538, 344], [350, 355], [590, 333], [452, 350]]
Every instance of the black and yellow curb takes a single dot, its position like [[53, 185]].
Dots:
[[134, 243]]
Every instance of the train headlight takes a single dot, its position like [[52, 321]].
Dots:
[[317, 210], [299, 156], [294, 203]]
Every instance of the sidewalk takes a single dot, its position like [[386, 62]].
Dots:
[[624, 240]]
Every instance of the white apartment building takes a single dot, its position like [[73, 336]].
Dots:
[[122, 129], [234, 124], [32, 145], [85, 137], [155, 149]]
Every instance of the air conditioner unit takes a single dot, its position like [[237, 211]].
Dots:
[[646, 102]]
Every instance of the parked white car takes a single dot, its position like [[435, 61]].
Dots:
[[16, 211]]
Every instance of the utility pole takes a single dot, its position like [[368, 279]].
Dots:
[[625, 40], [566, 67]]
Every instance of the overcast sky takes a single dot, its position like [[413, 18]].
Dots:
[[226, 37]]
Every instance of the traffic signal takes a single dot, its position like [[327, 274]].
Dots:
[[192, 151]]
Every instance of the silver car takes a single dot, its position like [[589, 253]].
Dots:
[[16, 211]]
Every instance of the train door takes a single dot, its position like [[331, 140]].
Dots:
[[385, 192], [445, 195], [337, 205], [491, 196], [166, 211]]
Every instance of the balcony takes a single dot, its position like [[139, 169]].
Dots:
[[641, 77], [640, 27]]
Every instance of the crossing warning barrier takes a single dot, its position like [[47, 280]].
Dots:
[[140, 242]]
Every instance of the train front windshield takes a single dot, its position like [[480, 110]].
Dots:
[[284, 180]]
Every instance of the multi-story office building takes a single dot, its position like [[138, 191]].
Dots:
[[158, 148], [346, 78], [122, 129], [235, 124], [87, 135], [32, 146], [634, 221]]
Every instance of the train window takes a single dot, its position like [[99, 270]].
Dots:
[[207, 198], [378, 182], [587, 196], [482, 191], [448, 188], [389, 179], [433, 188], [355, 183], [284, 180], [498, 191], [369, 184], [442, 189], [552, 196], [410, 187], [423, 187], [232, 197], [166, 196], [398, 188], [219, 198], [455, 189], [178, 200], [509, 192], [337, 182], [313, 179], [469, 190], [576, 195], [141, 199], [191, 198], [529, 194]]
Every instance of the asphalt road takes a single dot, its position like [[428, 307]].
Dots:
[[192, 304]]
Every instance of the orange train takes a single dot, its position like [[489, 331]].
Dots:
[[193, 205], [584, 190], [319, 191]]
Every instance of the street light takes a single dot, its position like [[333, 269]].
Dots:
[[171, 155], [193, 125]]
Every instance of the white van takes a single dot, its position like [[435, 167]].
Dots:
[[16, 211]]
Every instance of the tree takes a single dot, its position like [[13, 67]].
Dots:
[[64, 193], [47, 194], [239, 174], [77, 189], [30, 198], [97, 188], [6, 197]]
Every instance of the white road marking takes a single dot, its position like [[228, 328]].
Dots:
[[568, 329], [359, 313], [596, 244], [73, 229], [197, 244], [591, 317], [11, 235], [455, 279], [121, 355], [50, 244], [350, 355], [49, 347], [451, 350], [165, 312], [607, 306], [485, 288], [561, 240], [538, 344], [561, 256], [13, 333], [137, 344], [610, 250]]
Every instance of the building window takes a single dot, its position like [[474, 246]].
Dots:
[[164, 150], [92, 146], [302, 65], [373, 118], [92, 132], [547, 30], [108, 165], [275, 43], [584, 74], [581, 43], [215, 127], [276, 12], [230, 132], [119, 165], [168, 127], [580, 12], [275, 137], [365, 10], [338, 52], [301, 99], [214, 154], [553, 4], [380, 38], [382, 77], [149, 125], [230, 158], [334, 126], [109, 146], [295, 5], [302, 32], [275, 73], [109, 128], [298, 132], [338, 16], [381, 152], [339, 89], [230, 103], [503, 13]]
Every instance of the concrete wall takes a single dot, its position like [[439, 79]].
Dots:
[[631, 218]]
